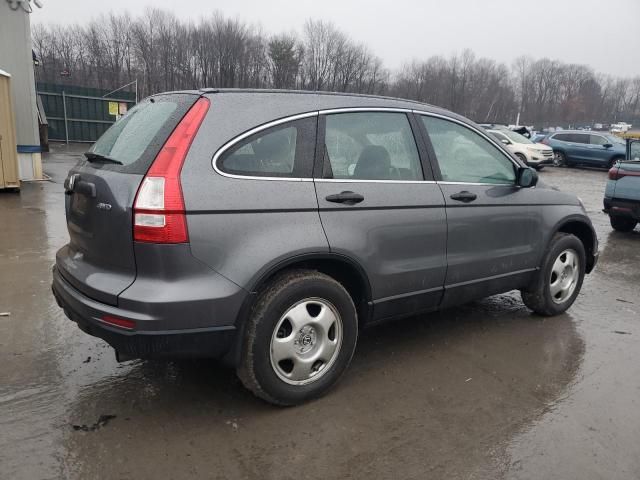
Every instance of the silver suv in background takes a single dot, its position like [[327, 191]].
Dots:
[[533, 154], [267, 228]]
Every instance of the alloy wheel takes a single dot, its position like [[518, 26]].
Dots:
[[558, 159]]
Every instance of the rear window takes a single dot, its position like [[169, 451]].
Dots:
[[136, 138]]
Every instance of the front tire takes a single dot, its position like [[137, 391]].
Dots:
[[560, 278], [522, 158], [299, 339], [559, 159], [622, 224]]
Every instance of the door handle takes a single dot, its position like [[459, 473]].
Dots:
[[464, 196], [349, 198]]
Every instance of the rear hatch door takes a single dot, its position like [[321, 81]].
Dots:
[[100, 192]]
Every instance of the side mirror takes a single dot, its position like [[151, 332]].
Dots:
[[505, 141], [527, 177], [607, 145]]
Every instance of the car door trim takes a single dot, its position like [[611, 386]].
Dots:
[[349, 180], [406, 295], [493, 277], [330, 111], [480, 184]]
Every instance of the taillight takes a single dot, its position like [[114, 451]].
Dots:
[[119, 322], [614, 173], [158, 211]]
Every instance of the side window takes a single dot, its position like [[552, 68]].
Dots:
[[465, 156], [501, 138], [562, 137], [577, 138], [598, 140], [282, 151], [370, 146], [635, 151]]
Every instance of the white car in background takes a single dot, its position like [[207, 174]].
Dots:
[[621, 127], [535, 155]]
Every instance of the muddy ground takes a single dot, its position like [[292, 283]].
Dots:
[[483, 391]]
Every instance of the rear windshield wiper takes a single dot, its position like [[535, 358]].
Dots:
[[96, 157]]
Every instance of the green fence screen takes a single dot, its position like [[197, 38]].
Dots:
[[87, 112]]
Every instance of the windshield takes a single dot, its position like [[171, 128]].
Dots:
[[614, 139], [516, 137], [128, 138]]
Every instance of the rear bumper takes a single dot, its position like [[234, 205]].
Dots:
[[622, 208], [213, 341]]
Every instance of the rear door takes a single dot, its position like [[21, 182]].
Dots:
[[99, 259], [580, 149], [493, 225], [379, 208]]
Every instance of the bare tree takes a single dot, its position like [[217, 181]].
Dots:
[[165, 53]]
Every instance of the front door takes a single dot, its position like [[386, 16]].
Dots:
[[377, 208], [491, 221], [598, 153]]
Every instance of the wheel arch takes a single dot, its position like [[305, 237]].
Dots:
[[613, 158], [520, 153], [347, 271], [585, 233]]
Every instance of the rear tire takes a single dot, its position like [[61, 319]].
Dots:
[[299, 339], [558, 282], [622, 224]]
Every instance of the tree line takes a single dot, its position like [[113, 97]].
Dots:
[[165, 53]]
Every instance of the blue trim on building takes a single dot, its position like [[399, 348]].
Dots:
[[29, 149]]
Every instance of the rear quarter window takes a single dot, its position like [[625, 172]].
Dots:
[[285, 150]]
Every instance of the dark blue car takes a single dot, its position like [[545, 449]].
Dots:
[[589, 148]]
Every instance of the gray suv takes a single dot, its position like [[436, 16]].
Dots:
[[267, 228]]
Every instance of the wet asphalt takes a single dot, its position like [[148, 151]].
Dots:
[[483, 391]]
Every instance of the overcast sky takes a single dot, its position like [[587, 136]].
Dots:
[[604, 34]]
